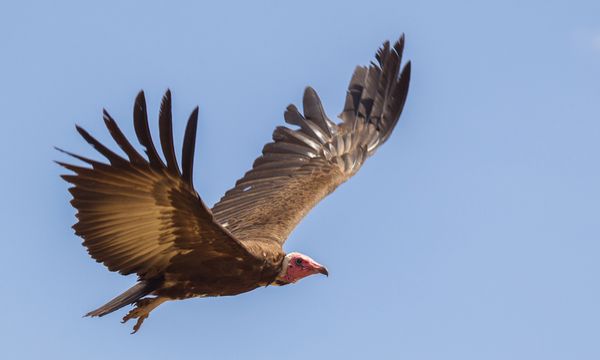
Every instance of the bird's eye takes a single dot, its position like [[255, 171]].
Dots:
[[298, 261]]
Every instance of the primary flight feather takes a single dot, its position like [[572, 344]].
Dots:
[[141, 215]]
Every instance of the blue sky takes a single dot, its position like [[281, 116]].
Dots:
[[472, 234]]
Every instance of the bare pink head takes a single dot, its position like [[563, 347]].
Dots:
[[297, 266]]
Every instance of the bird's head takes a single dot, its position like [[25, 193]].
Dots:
[[297, 266]]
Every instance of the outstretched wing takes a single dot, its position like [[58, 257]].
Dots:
[[144, 216], [302, 166]]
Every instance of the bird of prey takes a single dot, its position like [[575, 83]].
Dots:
[[141, 214]]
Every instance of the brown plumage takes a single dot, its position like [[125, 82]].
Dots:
[[142, 215]]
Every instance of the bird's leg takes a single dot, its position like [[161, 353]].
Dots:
[[142, 310]]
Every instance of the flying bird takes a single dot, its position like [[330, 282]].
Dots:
[[141, 214]]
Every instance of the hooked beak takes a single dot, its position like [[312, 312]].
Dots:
[[322, 270]]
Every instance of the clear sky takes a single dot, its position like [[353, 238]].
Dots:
[[472, 234]]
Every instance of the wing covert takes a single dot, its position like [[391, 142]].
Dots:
[[142, 216], [303, 165]]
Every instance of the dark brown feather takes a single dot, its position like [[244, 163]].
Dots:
[[111, 156], [313, 110], [189, 144], [121, 140], [301, 166], [165, 123], [141, 217], [140, 122]]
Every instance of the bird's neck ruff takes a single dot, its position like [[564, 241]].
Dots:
[[280, 280]]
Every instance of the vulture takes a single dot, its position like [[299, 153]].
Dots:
[[141, 214]]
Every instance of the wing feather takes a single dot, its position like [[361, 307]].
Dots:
[[121, 140], [165, 121], [140, 121], [303, 165], [189, 144], [111, 156], [139, 216]]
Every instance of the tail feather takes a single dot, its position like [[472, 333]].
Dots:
[[130, 296]]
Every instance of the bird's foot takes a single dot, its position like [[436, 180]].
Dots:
[[142, 310]]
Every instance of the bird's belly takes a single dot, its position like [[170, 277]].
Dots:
[[178, 289]]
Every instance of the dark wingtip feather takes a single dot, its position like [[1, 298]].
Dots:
[[292, 115], [121, 140], [165, 123], [106, 152], [404, 83], [382, 52], [189, 144], [313, 110], [400, 94], [64, 151], [407, 67], [78, 157], [140, 121], [399, 45], [377, 93]]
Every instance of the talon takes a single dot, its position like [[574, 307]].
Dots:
[[142, 310], [132, 314], [139, 323], [127, 317]]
